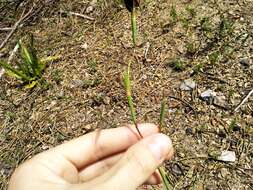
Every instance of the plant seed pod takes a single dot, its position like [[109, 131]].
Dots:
[[130, 4]]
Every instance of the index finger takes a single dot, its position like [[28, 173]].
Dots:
[[92, 147]]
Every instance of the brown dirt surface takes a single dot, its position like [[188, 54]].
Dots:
[[210, 42]]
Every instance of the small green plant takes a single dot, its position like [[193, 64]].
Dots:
[[177, 65], [92, 66], [10, 116], [191, 48], [56, 76], [233, 125], [131, 6], [226, 27], [205, 24], [214, 57], [191, 11], [198, 68], [173, 14], [185, 23], [89, 83], [127, 84], [30, 70]]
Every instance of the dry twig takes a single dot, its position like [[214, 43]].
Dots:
[[78, 15], [6, 29], [15, 27], [243, 101]]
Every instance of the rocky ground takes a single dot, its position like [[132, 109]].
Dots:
[[198, 53]]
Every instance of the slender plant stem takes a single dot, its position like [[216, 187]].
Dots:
[[161, 121], [162, 113], [164, 178], [127, 83], [134, 25]]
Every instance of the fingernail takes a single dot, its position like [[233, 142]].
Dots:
[[159, 145]]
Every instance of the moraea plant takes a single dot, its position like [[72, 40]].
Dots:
[[127, 84], [131, 7], [30, 70]]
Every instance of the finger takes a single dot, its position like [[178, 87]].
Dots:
[[95, 146], [99, 168], [154, 179], [139, 162]]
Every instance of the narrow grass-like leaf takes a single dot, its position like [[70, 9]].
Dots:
[[13, 72], [127, 83], [162, 113], [50, 58], [25, 65], [131, 6], [166, 184], [31, 85], [37, 66], [128, 89], [29, 71], [134, 26]]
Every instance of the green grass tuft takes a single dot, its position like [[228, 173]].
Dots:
[[30, 69]]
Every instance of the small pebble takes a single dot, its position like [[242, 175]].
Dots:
[[227, 156], [189, 131], [76, 83], [2, 71], [208, 95], [177, 169], [84, 46], [106, 100], [188, 85], [89, 9], [220, 101], [245, 62], [224, 172]]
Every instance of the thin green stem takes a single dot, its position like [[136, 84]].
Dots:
[[166, 184], [134, 25], [161, 121], [162, 113], [127, 83]]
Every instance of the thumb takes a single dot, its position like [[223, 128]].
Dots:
[[140, 162]]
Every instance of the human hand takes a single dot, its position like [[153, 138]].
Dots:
[[108, 159]]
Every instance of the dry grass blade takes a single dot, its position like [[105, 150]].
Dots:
[[15, 27]]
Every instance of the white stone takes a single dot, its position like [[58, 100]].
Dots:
[[89, 9], [84, 46], [220, 101], [2, 71], [188, 85], [227, 156], [208, 95]]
